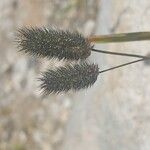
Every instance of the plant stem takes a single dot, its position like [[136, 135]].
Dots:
[[120, 54], [120, 37], [119, 66]]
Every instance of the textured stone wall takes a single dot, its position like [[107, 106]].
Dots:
[[111, 115], [27, 119], [115, 113]]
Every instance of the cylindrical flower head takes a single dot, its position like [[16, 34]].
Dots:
[[70, 77], [53, 43]]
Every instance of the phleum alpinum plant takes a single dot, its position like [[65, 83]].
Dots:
[[72, 46]]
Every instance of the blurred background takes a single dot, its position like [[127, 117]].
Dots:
[[113, 114]]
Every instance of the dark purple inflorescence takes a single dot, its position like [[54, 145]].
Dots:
[[70, 77], [53, 43]]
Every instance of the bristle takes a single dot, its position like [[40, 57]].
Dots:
[[53, 43], [70, 77]]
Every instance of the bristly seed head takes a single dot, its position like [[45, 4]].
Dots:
[[70, 77], [49, 42]]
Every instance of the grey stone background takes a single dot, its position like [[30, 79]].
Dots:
[[113, 114]]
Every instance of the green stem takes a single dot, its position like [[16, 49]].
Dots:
[[120, 37]]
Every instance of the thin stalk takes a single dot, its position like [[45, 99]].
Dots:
[[120, 54], [119, 66]]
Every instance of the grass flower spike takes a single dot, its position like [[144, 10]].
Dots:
[[70, 77], [74, 77], [56, 43], [52, 43]]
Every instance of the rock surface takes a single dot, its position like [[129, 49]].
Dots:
[[115, 113], [112, 115], [28, 120]]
